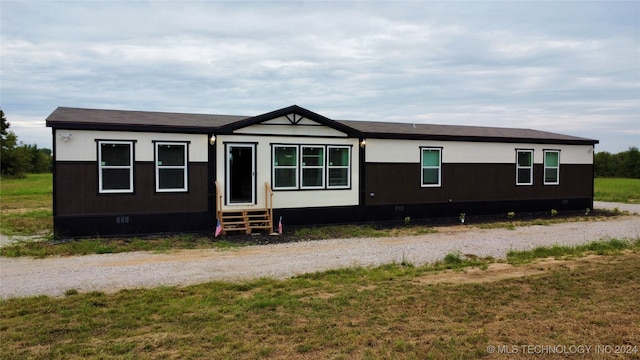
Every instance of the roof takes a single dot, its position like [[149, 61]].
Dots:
[[376, 129], [97, 119], [124, 120]]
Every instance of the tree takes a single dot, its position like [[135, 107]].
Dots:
[[602, 164], [15, 160], [625, 164], [631, 164], [41, 159]]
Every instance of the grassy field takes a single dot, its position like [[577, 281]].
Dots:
[[390, 312], [617, 190], [26, 205]]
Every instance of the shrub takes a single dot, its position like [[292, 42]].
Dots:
[[453, 258]]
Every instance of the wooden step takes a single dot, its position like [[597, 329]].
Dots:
[[234, 223], [245, 220]]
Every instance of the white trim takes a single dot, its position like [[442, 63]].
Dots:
[[184, 167], [330, 167], [545, 167], [290, 130], [422, 167], [102, 167], [227, 186], [275, 167], [530, 167], [320, 167]]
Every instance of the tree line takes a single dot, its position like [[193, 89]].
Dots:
[[625, 164], [18, 159]]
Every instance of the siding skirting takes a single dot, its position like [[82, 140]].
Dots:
[[398, 211], [133, 224]]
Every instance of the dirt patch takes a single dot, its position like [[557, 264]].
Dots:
[[501, 271], [451, 229]]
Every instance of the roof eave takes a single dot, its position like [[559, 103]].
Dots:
[[479, 138], [128, 127]]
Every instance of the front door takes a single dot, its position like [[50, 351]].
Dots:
[[241, 173]]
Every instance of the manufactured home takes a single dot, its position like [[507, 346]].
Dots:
[[134, 172]]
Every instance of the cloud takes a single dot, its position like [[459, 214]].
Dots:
[[568, 67]]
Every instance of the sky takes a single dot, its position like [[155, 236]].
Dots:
[[567, 67]]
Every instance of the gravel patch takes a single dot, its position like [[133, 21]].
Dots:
[[12, 239], [631, 208], [22, 277]]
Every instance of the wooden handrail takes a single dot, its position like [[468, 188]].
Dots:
[[268, 202], [218, 201]]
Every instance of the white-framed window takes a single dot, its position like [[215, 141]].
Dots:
[[309, 167], [524, 167], [285, 167], [551, 167], [431, 164], [115, 166], [171, 159], [338, 167], [312, 167]]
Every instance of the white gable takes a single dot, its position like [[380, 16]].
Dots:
[[291, 124]]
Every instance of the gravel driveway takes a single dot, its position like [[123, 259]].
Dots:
[[112, 272], [631, 208]]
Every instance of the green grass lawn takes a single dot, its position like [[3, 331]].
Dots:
[[34, 191], [617, 190], [26, 205], [390, 312]]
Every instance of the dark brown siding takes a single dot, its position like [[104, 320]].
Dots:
[[76, 192], [395, 183]]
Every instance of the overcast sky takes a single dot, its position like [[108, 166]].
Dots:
[[566, 67]]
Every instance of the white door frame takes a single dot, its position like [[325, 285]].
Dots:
[[228, 168]]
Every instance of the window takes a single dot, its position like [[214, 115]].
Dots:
[[285, 167], [551, 167], [115, 166], [524, 167], [312, 167], [171, 167], [339, 167], [431, 167]]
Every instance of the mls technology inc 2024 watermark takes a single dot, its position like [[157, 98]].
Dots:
[[562, 349]]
